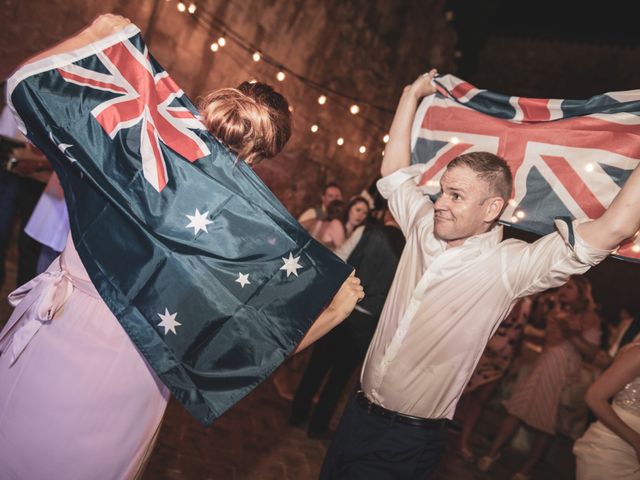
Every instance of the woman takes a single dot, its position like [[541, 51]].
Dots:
[[572, 331], [355, 215], [77, 400], [330, 231], [491, 368], [610, 448], [340, 222]]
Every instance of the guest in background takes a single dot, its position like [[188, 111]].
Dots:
[[492, 366], [610, 448], [330, 192], [572, 332], [374, 252]]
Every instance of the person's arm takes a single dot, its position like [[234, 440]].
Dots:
[[341, 306], [625, 368], [101, 27], [397, 153], [336, 231], [620, 221]]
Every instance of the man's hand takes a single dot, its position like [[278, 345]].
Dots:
[[423, 85]]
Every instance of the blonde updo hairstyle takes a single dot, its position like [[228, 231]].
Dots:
[[253, 120]]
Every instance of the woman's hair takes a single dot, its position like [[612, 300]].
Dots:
[[335, 210], [352, 202], [253, 120]]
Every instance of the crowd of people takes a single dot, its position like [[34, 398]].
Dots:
[[437, 313]]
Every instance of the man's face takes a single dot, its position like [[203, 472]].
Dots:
[[463, 208], [331, 194]]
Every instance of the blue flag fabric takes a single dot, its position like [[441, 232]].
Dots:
[[213, 280], [569, 158]]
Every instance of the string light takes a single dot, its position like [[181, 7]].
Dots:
[[208, 20], [589, 167], [513, 203], [520, 214], [514, 219], [455, 140]]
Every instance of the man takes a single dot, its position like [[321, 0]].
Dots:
[[454, 284], [331, 192], [22, 180]]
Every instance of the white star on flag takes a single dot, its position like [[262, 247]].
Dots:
[[169, 322], [199, 221], [243, 279], [63, 148], [291, 265]]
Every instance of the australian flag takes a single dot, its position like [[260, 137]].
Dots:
[[569, 158], [213, 280]]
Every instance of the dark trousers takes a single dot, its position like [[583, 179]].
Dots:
[[335, 356], [368, 447]]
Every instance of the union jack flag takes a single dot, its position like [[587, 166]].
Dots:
[[568, 157]]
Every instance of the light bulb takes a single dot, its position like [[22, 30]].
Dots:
[[280, 76], [340, 141], [192, 8], [362, 149], [222, 42], [322, 99], [314, 128], [215, 47], [385, 139], [181, 7], [354, 109], [256, 57]]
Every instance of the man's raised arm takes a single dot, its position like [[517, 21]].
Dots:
[[397, 153], [620, 221]]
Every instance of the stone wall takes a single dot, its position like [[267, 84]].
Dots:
[[362, 48]]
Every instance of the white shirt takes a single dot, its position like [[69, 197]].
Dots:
[[445, 304]]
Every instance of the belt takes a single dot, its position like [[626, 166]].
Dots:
[[374, 409]]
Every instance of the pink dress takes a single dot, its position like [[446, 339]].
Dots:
[[536, 396], [77, 400]]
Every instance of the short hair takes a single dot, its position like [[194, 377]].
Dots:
[[331, 185], [253, 120], [491, 168], [335, 209]]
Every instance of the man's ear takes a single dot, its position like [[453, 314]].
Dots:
[[494, 207]]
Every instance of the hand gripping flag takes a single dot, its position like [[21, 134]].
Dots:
[[569, 158], [213, 280]]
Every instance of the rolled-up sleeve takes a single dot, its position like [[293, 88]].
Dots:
[[406, 201], [550, 261]]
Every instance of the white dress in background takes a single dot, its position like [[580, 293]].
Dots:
[[600, 453]]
